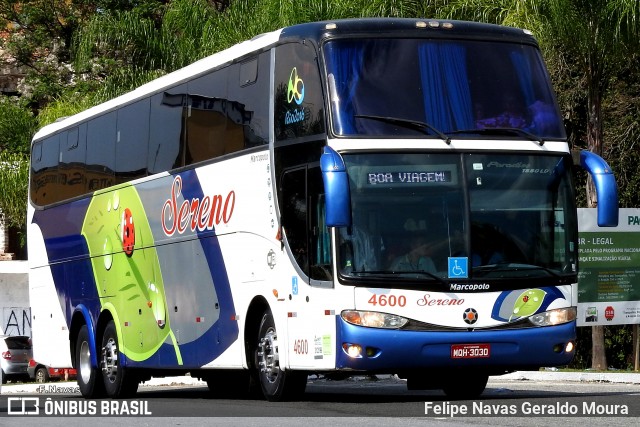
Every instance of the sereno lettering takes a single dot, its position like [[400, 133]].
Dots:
[[426, 300], [195, 214]]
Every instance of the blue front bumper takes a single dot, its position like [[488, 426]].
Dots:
[[386, 350]]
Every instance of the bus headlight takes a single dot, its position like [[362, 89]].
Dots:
[[554, 317], [373, 319]]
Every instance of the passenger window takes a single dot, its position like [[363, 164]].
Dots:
[[72, 172], [101, 152], [249, 95], [303, 221], [210, 133], [294, 215], [132, 139], [44, 176], [165, 130]]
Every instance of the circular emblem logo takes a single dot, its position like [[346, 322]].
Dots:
[[470, 316], [295, 89]]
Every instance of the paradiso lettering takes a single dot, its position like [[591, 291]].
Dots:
[[195, 214]]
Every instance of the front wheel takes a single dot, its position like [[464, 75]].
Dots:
[[89, 378], [277, 384], [119, 381]]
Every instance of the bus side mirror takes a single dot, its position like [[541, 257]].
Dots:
[[606, 188], [336, 189]]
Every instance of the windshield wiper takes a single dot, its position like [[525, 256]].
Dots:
[[507, 266], [420, 272], [411, 124], [399, 272], [502, 131]]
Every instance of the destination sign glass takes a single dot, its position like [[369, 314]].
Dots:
[[409, 177]]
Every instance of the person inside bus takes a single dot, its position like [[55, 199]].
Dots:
[[416, 259], [510, 117]]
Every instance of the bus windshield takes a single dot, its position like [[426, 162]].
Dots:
[[433, 87], [506, 216]]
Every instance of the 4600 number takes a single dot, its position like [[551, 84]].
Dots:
[[301, 347], [388, 300]]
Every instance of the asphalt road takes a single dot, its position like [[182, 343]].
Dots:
[[361, 401]]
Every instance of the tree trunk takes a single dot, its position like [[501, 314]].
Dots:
[[599, 358], [594, 144]]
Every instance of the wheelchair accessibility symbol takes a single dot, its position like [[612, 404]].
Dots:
[[458, 267]]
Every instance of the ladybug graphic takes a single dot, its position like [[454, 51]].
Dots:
[[128, 232]]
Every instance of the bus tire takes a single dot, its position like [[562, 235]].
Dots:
[[276, 384], [119, 382], [466, 387], [88, 377]]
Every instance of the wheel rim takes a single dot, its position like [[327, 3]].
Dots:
[[268, 359], [109, 360], [84, 364], [40, 376]]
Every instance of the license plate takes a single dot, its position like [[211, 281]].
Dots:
[[470, 351]]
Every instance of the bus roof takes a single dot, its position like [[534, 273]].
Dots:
[[406, 27], [316, 31]]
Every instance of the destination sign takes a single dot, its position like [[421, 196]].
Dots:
[[409, 177]]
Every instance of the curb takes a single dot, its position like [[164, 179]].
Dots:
[[558, 376], [596, 377]]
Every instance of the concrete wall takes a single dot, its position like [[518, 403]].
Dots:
[[14, 298]]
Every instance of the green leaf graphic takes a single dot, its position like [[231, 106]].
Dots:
[[528, 303]]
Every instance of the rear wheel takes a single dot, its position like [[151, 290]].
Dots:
[[42, 376], [277, 384], [89, 378], [118, 381]]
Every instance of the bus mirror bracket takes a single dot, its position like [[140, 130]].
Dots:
[[606, 187], [336, 188]]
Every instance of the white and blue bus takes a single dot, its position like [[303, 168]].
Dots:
[[362, 196]]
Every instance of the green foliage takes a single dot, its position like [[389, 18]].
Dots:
[[622, 131], [14, 179], [17, 125], [618, 348]]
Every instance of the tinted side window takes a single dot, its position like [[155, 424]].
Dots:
[[165, 129], [44, 170], [303, 214], [249, 91], [299, 105], [210, 133], [72, 171], [101, 152], [132, 141], [294, 215]]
